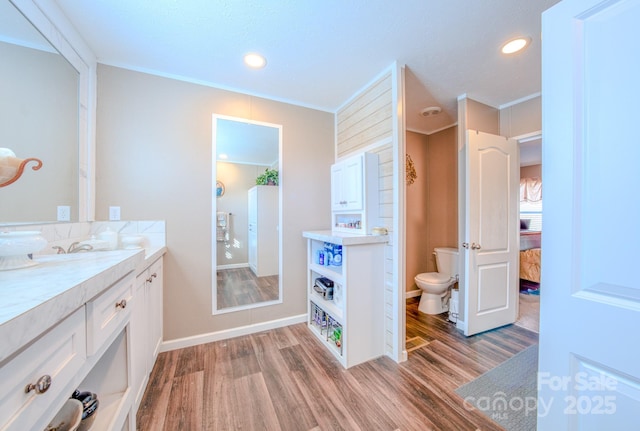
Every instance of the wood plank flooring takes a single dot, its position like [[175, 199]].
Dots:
[[240, 286], [284, 379]]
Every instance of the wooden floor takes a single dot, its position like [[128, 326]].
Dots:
[[284, 379], [240, 286]]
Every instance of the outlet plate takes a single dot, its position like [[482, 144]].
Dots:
[[114, 213], [64, 213]]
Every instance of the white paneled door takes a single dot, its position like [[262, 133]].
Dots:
[[589, 367], [490, 244]]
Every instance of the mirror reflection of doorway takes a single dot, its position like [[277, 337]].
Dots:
[[246, 216]]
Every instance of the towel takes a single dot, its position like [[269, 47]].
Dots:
[[222, 226]]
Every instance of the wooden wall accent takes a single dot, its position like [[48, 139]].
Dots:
[[367, 119], [366, 123]]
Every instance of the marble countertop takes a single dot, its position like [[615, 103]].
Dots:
[[36, 298], [344, 238]]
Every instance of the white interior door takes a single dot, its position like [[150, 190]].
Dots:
[[589, 372], [491, 235]]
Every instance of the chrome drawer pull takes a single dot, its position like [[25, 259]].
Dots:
[[122, 304], [41, 386]]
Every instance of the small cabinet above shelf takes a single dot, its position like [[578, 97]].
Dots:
[[354, 194]]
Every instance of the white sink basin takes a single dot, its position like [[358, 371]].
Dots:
[[15, 248]]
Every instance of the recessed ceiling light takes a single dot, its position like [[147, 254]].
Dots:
[[515, 45], [255, 61]]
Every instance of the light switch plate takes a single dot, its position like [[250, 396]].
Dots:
[[114, 213]]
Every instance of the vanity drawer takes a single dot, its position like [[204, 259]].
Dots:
[[59, 354], [108, 313]]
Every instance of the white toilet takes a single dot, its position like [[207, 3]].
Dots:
[[436, 285]]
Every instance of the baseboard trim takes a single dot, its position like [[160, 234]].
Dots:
[[180, 343], [233, 266], [412, 293]]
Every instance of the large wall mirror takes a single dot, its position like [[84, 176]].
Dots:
[[246, 237], [39, 117]]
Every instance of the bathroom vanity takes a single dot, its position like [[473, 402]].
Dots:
[[350, 320], [91, 321]]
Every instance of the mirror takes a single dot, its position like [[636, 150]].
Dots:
[[38, 119], [246, 240]]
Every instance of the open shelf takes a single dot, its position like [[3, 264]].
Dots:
[[109, 380], [327, 328]]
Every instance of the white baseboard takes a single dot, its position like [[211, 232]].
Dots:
[[233, 266], [412, 293], [180, 343]]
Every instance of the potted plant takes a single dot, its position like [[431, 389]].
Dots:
[[270, 177]]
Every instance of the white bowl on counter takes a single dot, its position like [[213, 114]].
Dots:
[[131, 242], [15, 248]]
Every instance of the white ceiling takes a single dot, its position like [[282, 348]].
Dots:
[[321, 53], [247, 143]]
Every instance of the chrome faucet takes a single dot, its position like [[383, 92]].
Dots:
[[73, 248]]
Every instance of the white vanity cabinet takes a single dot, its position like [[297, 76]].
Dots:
[[146, 327], [354, 194], [56, 357], [350, 324], [75, 324]]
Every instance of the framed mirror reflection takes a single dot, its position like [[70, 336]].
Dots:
[[246, 240], [39, 119]]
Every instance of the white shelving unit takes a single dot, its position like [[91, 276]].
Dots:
[[351, 325]]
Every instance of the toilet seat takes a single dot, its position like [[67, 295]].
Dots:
[[433, 277]]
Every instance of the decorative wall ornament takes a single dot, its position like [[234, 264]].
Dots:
[[410, 170], [11, 167], [219, 189]]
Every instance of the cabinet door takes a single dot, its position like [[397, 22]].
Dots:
[[252, 249], [352, 184], [138, 331], [155, 286], [252, 205], [337, 179]]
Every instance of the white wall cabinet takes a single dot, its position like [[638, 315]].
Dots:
[[355, 194], [263, 230], [351, 323]]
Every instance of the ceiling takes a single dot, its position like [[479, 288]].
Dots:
[[247, 143], [319, 54]]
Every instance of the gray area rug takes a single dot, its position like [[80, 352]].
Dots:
[[508, 393]]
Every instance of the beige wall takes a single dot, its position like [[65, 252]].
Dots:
[[481, 117], [522, 118], [417, 198], [532, 171], [154, 159], [238, 179], [432, 200]]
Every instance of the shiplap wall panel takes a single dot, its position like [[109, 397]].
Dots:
[[366, 124], [367, 119]]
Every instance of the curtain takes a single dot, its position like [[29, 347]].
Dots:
[[530, 189]]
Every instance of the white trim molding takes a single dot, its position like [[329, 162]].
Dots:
[[180, 343]]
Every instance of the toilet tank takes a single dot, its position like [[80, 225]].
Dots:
[[447, 260]]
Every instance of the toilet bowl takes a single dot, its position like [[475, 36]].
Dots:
[[436, 286]]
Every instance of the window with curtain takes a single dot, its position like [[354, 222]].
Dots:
[[531, 202]]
